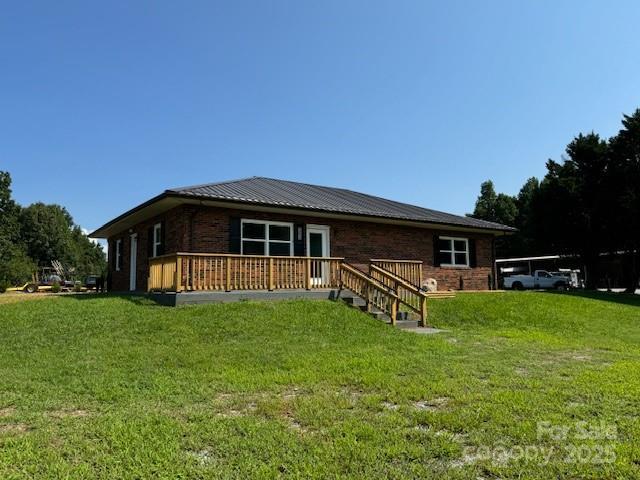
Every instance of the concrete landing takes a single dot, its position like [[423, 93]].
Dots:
[[424, 330]]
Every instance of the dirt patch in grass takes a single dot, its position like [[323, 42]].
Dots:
[[292, 393], [7, 412], [14, 428], [435, 404], [229, 405], [68, 413], [390, 405], [203, 457]]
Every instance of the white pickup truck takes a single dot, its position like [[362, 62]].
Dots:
[[541, 279]]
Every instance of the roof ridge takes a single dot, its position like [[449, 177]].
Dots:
[[211, 184]]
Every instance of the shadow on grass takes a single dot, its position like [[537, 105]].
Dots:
[[622, 298], [136, 298]]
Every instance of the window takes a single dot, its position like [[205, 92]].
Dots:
[[266, 238], [453, 252], [118, 254], [157, 239]]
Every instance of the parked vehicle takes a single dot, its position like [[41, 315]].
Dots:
[[541, 279], [572, 276], [44, 282]]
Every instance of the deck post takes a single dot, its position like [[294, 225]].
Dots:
[[271, 282], [394, 311], [423, 311], [307, 273], [369, 303], [227, 284], [178, 280], [192, 277]]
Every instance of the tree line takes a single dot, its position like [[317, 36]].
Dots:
[[587, 205], [31, 237]]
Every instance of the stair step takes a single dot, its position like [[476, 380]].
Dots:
[[355, 301], [378, 315], [406, 323], [405, 319]]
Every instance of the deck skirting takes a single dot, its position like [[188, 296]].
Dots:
[[194, 298]]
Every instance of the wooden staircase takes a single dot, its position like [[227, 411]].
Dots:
[[384, 295]]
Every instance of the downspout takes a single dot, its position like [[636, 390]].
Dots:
[[494, 264]]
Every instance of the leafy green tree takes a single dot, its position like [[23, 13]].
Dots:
[[524, 242], [15, 266], [46, 232], [49, 233], [86, 257], [572, 208], [625, 192], [499, 208]]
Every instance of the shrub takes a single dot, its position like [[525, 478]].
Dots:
[[77, 287], [55, 287], [15, 267], [4, 286]]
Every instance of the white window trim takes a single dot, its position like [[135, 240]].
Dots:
[[266, 240], [118, 254], [453, 251], [157, 238]]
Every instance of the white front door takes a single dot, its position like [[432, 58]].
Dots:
[[133, 267], [318, 245]]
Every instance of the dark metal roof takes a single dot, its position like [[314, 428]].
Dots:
[[282, 193]]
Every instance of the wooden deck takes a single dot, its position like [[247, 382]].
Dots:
[[387, 285]]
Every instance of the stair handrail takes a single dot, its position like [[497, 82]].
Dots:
[[390, 307], [400, 283], [382, 263]]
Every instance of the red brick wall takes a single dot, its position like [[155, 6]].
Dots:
[[201, 229]]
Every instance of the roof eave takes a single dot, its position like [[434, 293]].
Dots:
[[98, 232]]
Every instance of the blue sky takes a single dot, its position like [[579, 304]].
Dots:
[[105, 104]]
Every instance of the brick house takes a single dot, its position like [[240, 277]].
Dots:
[[267, 218]]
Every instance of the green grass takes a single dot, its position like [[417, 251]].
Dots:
[[119, 388]]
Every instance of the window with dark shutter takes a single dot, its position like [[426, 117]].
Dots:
[[157, 240], [234, 235], [259, 237], [452, 252], [150, 242], [118, 255], [163, 235], [299, 231], [472, 253]]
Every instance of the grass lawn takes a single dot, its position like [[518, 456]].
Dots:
[[119, 388]]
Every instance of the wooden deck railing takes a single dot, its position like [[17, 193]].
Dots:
[[385, 290], [178, 272], [373, 292], [409, 270], [408, 294]]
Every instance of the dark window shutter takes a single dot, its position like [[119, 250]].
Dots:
[[299, 243], [472, 253], [161, 247], [120, 254], [436, 253], [234, 235], [150, 242]]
